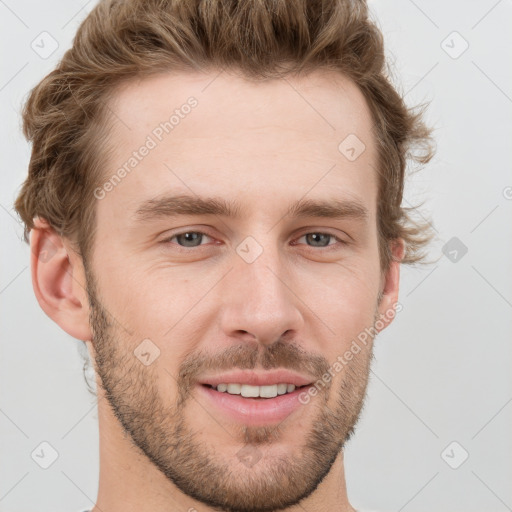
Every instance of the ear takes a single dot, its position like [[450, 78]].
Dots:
[[390, 285], [58, 279]]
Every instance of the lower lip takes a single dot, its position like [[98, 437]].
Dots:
[[254, 411]]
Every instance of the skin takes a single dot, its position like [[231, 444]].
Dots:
[[298, 305]]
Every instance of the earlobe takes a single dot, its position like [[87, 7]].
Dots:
[[58, 281], [390, 285]]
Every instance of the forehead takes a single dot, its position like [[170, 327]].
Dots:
[[221, 134], [323, 100]]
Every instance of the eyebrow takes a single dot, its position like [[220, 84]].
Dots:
[[173, 206]]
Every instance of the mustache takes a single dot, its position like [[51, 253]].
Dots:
[[252, 356]]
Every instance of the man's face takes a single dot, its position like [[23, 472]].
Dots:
[[260, 291]]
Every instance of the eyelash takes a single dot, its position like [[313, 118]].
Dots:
[[187, 249]]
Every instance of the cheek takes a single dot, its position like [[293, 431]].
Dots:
[[346, 302], [346, 293], [162, 305], [135, 302]]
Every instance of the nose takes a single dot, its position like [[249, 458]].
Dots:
[[259, 301]]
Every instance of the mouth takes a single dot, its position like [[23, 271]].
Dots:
[[257, 393], [252, 410]]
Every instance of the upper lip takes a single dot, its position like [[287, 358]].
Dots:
[[254, 378]]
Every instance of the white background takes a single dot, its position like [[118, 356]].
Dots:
[[443, 369]]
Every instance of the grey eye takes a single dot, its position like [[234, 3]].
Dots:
[[317, 239], [189, 238]]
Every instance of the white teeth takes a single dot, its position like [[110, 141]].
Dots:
[[281, 389], [234, 389], [249, 391], [268, 391]]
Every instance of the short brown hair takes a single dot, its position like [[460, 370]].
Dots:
[[65, 115]]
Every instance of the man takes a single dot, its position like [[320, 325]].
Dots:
[[214, 201]]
